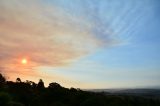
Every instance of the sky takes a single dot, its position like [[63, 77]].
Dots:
[[88, 44]]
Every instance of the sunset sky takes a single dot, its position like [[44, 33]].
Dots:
[[81, 43]]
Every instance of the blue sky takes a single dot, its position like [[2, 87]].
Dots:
[[84, 44]]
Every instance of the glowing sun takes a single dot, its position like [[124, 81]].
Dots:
[[24, 61]]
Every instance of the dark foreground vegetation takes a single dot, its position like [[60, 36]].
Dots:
[[29, 93]]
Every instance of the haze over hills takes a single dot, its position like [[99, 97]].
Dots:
[[131, 91]]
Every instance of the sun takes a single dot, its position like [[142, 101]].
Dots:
[[24, 61]]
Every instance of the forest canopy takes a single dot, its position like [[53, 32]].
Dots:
[[29, 93]]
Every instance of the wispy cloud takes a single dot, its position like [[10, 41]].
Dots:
[[56, 33], [46, 35]]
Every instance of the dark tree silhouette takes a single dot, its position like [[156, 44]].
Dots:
[[2, 80], [54, 85], [18, 80], [29, 93], [40, 84], [5, 98]]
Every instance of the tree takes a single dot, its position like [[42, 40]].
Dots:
[[54, 85], [18, 80], [31, 83], [2, 80], [40, 84], [5, 98]]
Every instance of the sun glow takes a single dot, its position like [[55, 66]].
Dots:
[[24, 61]]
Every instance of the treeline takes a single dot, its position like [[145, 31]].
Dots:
[[29, 93]]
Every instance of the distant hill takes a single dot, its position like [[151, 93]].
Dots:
[[136, 91]]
